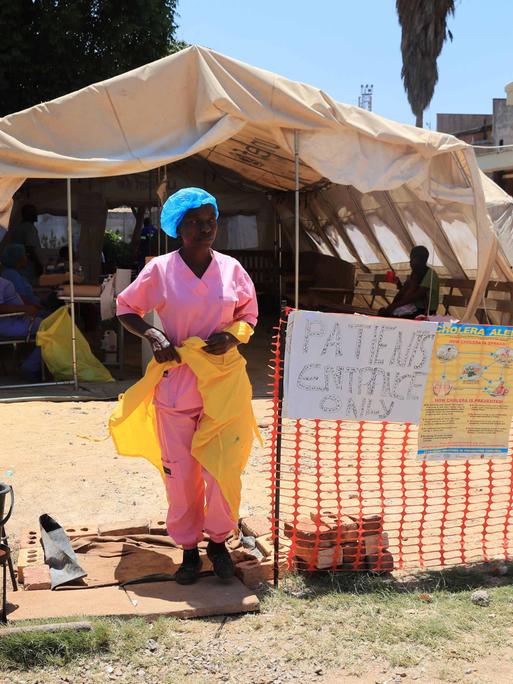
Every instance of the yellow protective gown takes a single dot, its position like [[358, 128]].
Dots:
[[223, 440]]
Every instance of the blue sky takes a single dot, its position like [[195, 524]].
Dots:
[[337, 45]]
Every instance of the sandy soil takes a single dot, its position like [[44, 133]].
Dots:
[[59, 461]]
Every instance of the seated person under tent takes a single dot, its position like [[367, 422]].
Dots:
[[419, 295]]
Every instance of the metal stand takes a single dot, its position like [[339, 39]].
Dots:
[[279, 427], [5, 557], [5, 542], [296, 219]]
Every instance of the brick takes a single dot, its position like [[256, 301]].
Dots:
[[36, 577], [206, 563], [308, 533], [383, 562], [375, 543], [250, 572], [322, 559], [343, 527], [29, 539], [267, 566], [124, 528], [265, 545], [241, 554], [256, 526], [158, 526], [354, 557], [233, 543], [81, 530], [27, 557], [370, 522], [254, 572], [325, 516]]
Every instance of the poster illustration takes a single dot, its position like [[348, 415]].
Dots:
[[468, 403]]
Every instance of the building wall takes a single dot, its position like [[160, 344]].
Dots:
[[503, 122], [456, 123]]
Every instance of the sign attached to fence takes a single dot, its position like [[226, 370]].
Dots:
[[468, 405], [345, 367]]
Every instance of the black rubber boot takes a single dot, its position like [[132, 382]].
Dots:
[[221, 561], [190, 569]]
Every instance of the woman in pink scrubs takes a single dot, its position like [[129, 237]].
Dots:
[[196, 292]]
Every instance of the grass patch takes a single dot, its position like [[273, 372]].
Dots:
[[430, 618], [40, 649], [121, 639], [353, 623]]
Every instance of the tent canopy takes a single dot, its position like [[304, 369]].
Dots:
[[372, 188]]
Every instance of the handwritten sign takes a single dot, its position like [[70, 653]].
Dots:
[[344, 367]]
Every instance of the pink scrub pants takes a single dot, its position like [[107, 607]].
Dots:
[[196, 503]]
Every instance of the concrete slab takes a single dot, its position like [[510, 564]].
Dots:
[[209, 596]]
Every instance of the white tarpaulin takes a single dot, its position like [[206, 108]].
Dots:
[[363, 177], [343, 367]]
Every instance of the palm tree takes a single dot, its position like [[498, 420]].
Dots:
[[424, 32]]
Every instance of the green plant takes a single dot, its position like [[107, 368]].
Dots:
[[117, 253]]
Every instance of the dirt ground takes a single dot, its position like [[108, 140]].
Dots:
[[59, 459]]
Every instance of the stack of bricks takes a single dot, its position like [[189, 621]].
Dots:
[[350, 541], [251, 570], [33, 573]]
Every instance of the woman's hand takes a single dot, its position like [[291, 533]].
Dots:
[[161, 347], [220, 343]]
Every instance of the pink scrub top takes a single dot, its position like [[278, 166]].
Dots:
[[189, 306]]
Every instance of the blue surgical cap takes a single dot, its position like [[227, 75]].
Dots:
[[176, 206], [12, 255]]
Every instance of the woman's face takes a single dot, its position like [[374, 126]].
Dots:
[[199, 227]]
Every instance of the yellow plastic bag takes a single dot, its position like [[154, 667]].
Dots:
[[54, 338]]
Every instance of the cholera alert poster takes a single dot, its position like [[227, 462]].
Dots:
[[468, 403], [345, 367]]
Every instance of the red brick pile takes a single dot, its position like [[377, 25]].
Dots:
[[250, 569], [323, 541], [33, 573], [351, 541]]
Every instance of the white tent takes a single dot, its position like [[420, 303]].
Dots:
[[366, 187]]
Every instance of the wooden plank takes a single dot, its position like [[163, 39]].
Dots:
[[454, 300], [457, 283], [47, 627], [501, 305], [46, 605], [209, 596]]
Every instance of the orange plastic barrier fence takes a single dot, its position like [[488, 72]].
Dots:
[[355, 496]]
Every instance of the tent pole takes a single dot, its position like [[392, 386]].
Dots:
[[159, 239], [71, 284], [296, 219], [280, 252]]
